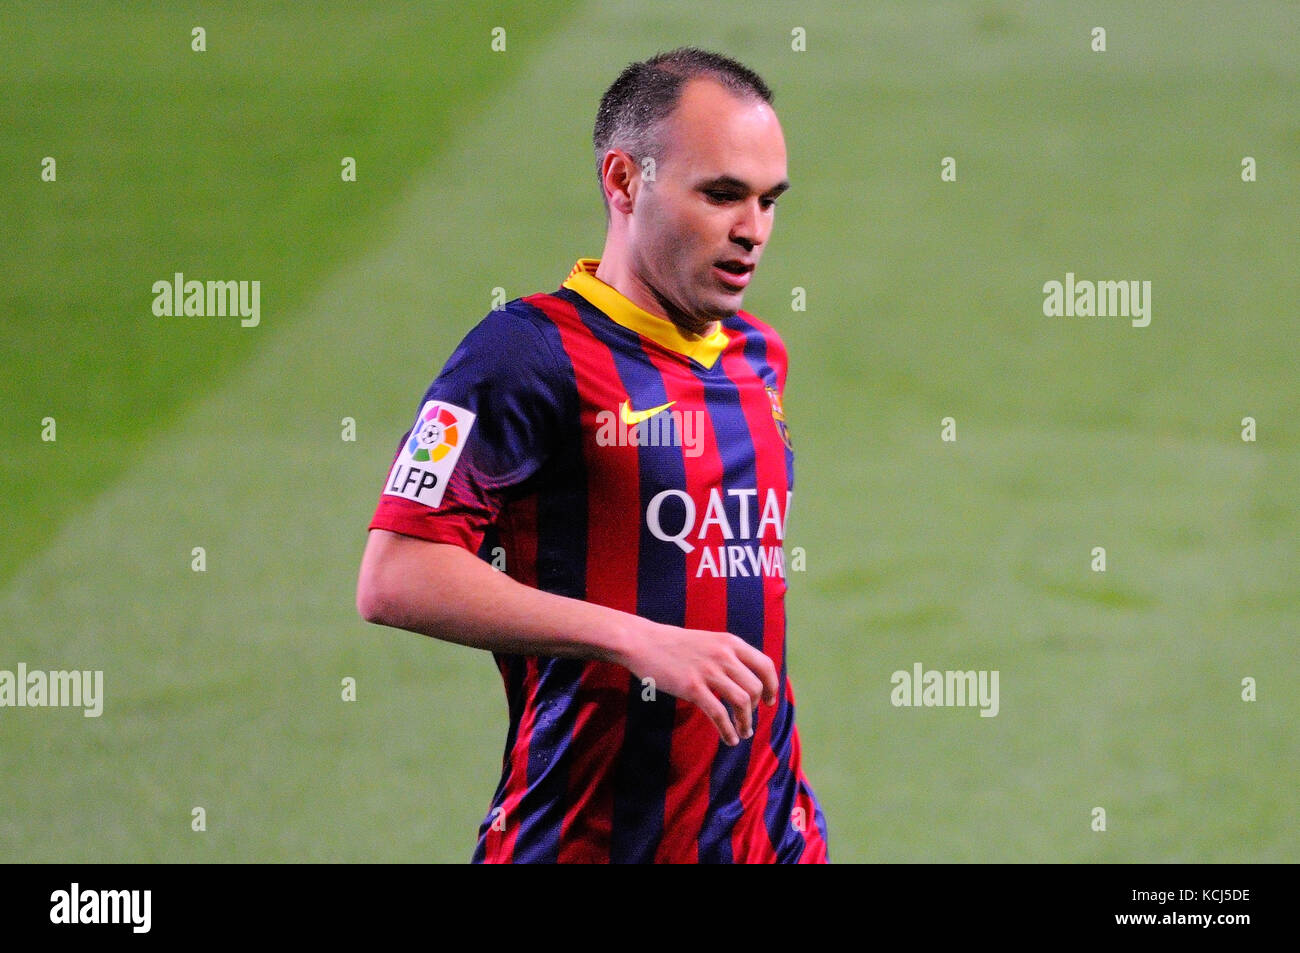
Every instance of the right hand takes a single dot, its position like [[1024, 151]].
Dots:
[[717, 672]]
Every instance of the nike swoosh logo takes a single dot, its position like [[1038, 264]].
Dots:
[[633, 417]]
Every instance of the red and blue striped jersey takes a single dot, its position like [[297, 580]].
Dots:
[[592, 450]]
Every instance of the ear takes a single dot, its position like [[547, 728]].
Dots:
[[622, 179]]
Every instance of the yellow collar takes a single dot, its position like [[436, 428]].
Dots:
[[622, 310]]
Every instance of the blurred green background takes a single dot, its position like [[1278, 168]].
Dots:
[[1119, 689]]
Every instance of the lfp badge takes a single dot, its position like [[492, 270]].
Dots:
[[425, 461], [778, 415]]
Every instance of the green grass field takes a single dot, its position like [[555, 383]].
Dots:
[[1119, 689]]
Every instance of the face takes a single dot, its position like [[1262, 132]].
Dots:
[[698, 230]]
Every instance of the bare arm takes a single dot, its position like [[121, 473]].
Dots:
[[449, 593]]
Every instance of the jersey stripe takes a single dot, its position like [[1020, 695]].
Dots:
[[611, 538], [770, 363], [772, 477], [502, 827], [642, 764], [695, 739], [744, 600], [559, 520], [513, 672]]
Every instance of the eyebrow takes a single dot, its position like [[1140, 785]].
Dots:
[[731, 182]]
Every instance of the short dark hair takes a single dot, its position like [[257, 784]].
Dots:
[[646, 93]]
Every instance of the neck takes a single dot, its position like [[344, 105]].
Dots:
[[615, 269]]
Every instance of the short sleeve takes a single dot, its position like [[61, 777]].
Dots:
[[484, 426]]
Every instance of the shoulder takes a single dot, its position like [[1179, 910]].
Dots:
[[513, 320], [758, 328], [761, 339], [518, 336]]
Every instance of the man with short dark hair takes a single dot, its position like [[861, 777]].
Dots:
[[623, 442]]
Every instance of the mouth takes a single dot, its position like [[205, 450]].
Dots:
[[733, 272]]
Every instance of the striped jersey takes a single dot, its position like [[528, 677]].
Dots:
[[590, 449]]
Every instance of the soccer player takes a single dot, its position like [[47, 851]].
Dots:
[[621, 444]]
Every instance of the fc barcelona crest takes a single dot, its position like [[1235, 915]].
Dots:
[[778, 415]]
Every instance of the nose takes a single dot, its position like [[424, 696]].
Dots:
[[751, 226]]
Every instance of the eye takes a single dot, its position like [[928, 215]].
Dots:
[[721, 195], [768, 203]]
